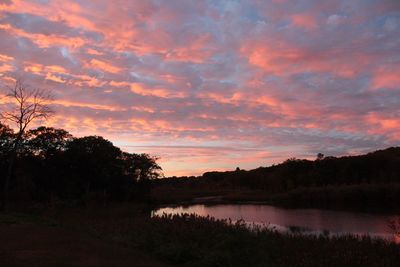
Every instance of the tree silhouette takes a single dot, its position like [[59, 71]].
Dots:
[[45, 147], [27, 105], [95, 163], [6, 139], [142, 167], [45, 142]]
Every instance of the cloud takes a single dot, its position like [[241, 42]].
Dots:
[[306, 21], [104, 66], [334, 19], [213, 85]]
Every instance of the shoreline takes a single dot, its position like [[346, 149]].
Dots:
[[220, 200]]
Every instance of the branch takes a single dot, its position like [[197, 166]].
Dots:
[[31, 105]]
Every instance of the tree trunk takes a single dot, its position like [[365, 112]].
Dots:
[[6, 188], [87, 200], [52, 203], [104, 197]]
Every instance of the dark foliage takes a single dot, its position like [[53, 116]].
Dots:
[[198, 241], [374, 168], [190, 240], [371, 179], [52, 165]]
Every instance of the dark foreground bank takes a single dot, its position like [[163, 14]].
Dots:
[[129, 235]]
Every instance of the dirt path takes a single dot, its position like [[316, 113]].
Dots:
[[36, 245]]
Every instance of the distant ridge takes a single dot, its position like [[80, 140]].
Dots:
[[372, 179]]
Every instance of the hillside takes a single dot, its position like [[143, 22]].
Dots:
[[369, 180]]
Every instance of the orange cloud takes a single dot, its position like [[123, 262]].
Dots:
[[119, 84], [5, 65], [381, 124], [5, 58], [285, 59], [43, 40], [94, 52], [386, 78], [56, 11], [305, 21], [54, 73], [51, 73], [143, 89], [40, 69], [197, 51], [269, 101], [54, 78], [66, 103], [86, 80], [276, 61], [102, 65], [5, 68]]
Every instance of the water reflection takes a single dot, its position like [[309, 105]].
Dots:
[[306, 221]]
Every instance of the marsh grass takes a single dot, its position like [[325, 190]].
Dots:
[[191, 240], [23, 218]]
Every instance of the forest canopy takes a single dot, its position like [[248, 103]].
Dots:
[[53, 164]]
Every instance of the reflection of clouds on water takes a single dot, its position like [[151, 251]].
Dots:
[[297, 221]]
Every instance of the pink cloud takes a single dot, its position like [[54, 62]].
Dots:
[[387, 77], [305, 21]]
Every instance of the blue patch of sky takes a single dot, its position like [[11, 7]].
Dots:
[[66, 54]]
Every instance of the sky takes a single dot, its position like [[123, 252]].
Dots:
[[213, 85]]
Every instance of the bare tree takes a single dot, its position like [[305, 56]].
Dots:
[[28, 104]]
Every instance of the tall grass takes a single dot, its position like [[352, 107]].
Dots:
[[191, 240]]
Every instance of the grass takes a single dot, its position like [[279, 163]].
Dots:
[[190, 240], [30, 239], [18, 218]]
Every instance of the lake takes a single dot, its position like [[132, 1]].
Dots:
[[304, 221]]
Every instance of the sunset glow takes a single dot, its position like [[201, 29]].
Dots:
[[213, 85]]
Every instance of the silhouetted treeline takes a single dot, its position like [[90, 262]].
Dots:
[[52, 164], [374, 168], [368, 179]]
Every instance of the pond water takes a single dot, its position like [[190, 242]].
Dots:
[[305, 221]]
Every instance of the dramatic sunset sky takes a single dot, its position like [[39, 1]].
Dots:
[[212, 85]]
